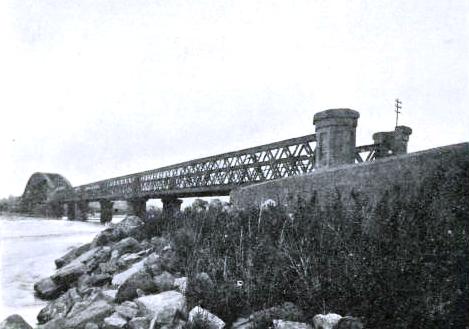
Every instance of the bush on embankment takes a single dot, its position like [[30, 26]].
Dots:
[[403, 264]]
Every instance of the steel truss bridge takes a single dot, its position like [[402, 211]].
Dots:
[[211, 176]]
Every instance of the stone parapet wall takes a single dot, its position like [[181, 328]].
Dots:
[[409, 175]]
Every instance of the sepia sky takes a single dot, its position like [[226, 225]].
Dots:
[[93, 89]]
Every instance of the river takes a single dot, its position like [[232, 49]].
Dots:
[[28, 248]]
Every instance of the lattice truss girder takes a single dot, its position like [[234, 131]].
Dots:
[[263, 163], [239, 169]]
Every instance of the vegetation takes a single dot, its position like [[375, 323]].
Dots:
[[402, 265], [9, 204]]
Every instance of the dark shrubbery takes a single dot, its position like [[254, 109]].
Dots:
[[402, 265]]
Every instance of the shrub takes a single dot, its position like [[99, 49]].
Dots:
[[405, 264]]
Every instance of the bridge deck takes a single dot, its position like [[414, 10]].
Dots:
[[209, 176]]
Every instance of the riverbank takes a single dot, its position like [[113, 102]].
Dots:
[[130, 276], [267, 267]]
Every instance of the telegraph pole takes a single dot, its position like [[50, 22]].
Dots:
[[398, 107]]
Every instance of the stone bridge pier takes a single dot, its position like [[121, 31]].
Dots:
[[137, 207], [106, 211], [171, 206], [56, 209], [77, 210], [82, 210], [71, 210]]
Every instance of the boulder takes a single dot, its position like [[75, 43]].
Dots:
[[110, 294], [227, 207], [88, 255], [128, 259], [326, 321], [176, 324], [93, 257], [121, 277], [127, 245], [349, 322], [109, 267], [164, 281], [199, 205], [181, 284], [201, 283], [139, 323], [145, 244], [282, 324], [114, 255], [127, 310], [205, 319], [14, 322], [159, 243], [101, 256], [58, 323], [204, 280], [48, 289], [140, 280], [83, 283], [77, 308], [100, 294], [91, 325], [130, 226], [162, 307], [59, 307], [55, 309], [99, 280], [264, 318], [68, 274], [215, 205], [96, 280], [94, 312], [242, 323], [153, 264], [104, 238], [71, 255], [115, 321], [169, 260], [72, 296]]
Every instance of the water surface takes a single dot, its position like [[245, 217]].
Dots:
[[28, 248]]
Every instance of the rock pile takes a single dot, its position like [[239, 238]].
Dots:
[[14, 322], [122, 280], [119, 280]]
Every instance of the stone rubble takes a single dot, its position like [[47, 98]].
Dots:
[[282, 324], [326, 321], [14, 322], [121, 281], [210, 320]]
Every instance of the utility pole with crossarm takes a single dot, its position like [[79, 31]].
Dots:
[[398, 107]]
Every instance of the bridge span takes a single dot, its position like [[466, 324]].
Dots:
[[333, 144]]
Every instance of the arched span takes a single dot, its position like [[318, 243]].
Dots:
[[40, 191]]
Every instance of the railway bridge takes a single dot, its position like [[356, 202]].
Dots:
[[333, 144]]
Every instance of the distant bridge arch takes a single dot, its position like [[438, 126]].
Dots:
[[40, 192]]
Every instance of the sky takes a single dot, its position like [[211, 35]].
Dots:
[[94, 89]]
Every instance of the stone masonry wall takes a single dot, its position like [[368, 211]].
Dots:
[[405, 174]]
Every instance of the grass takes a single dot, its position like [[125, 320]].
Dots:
[[402, 265]]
